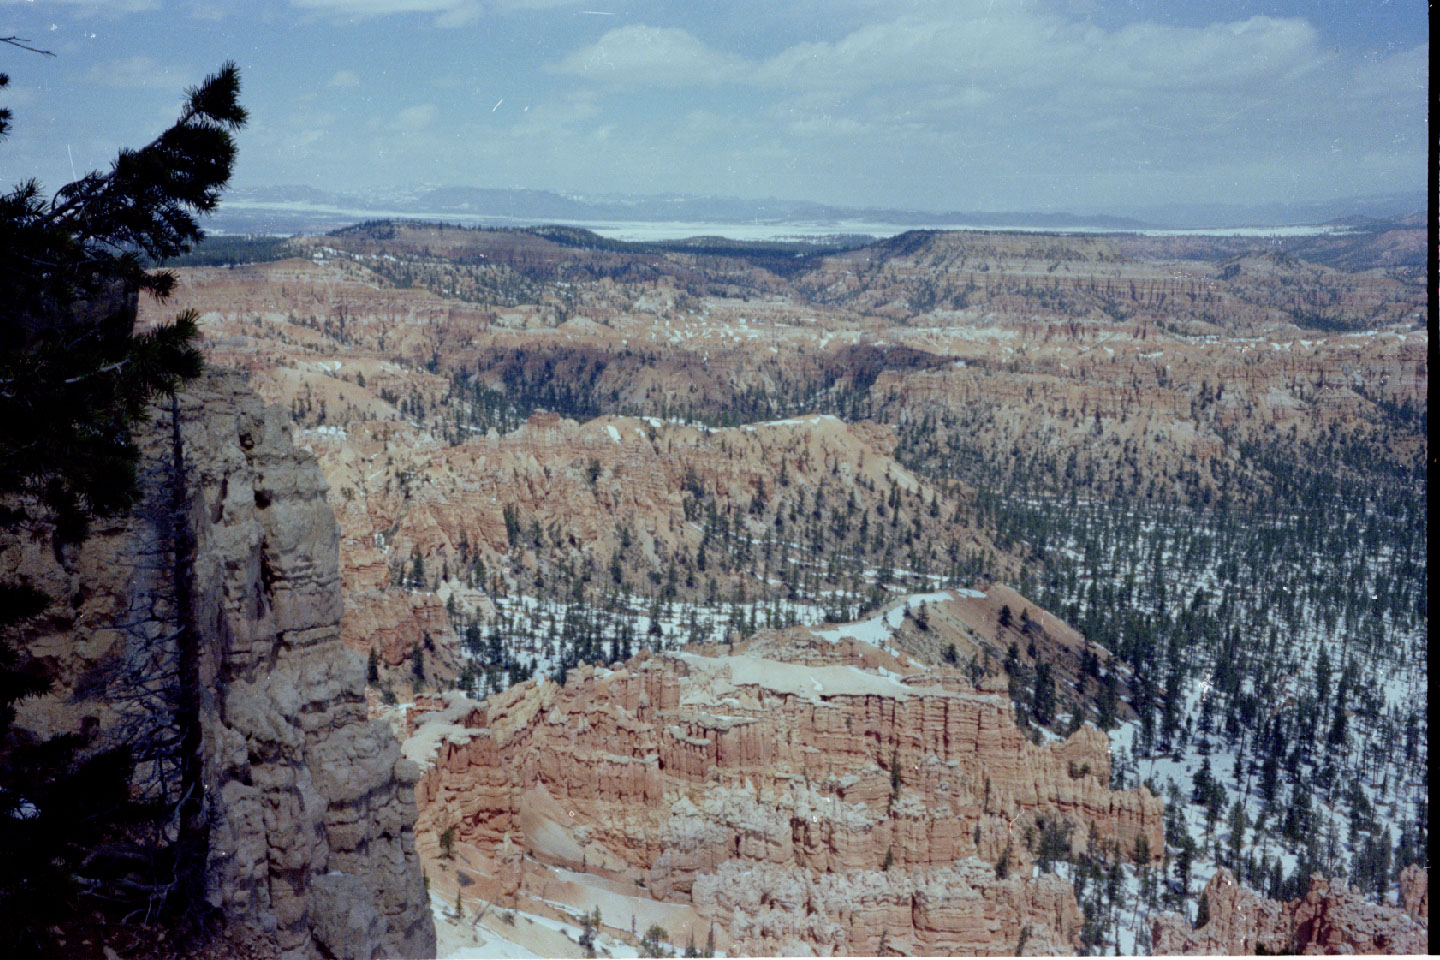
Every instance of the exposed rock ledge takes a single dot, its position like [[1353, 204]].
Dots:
[[312, 850], [1330, 918]]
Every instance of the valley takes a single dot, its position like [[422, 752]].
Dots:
[[960, 592]]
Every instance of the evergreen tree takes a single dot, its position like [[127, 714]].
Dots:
[[1340, 721], [1239, 823], [1043, 701], [1106, 718], [1202, 784], [1269, 778], [74, 378], [1142, 850], [1184, 860]]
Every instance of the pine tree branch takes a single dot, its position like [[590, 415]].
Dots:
[[24, 44], [108, 368]]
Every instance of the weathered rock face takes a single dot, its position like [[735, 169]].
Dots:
[[1415, 891], [1330, 918], [1241, 922], [311, 805], [957, 910], [819, 806], [632, 492], [1050, 357], [579, 484]]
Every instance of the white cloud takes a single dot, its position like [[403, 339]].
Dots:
[[213, 12], [101, 6], [1039, 103], [447, 13], [344, 79], [967, 54], [1257, 50], [416, 118], [377, 8], [976, 68], [548, 119], [957, 45], [826, 125], [136, 72], [641, 56], [1403, 73], [1019, 47]]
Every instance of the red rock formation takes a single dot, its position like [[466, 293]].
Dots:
[[783, 791], [1330, 918], [1059, 358]]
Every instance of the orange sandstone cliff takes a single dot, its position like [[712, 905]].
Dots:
[[839, 806]]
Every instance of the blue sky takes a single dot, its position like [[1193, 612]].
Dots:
[[1082, 105]]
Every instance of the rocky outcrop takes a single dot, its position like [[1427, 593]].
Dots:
[[1330, 918], [821, 804], [1415, 891], [311, 805], [1241, 922], [956, 910]]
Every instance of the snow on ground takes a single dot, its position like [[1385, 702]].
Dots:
[[1179, 768], [800, 680], [879, 630], [439, 727], [477, 939], [821, 418], [678, 623], [485, 930]]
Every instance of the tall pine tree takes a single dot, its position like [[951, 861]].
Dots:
[[75, 377]]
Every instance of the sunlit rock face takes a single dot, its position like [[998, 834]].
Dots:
[[844, 802]]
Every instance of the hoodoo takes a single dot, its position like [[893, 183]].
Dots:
[[815, 803]]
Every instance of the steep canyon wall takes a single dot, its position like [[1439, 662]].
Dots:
[[311, 807]]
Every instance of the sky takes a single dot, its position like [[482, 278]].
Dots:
[[984, 105]]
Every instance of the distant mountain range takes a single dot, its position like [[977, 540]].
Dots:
[[300, 209], [1351, 211]]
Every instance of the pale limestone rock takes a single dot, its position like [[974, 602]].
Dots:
[[1415, 891], [312, 847], [347, 923]]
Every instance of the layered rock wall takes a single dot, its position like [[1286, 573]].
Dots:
[[311, 805], [768, 793]]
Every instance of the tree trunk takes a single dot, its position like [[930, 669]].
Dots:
[[193, 840]]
